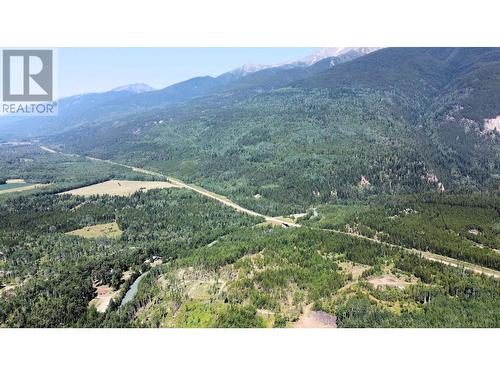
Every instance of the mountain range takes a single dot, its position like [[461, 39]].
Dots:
[[343, 123], [78, 109]]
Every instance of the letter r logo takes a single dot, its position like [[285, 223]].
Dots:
[[27, 75]]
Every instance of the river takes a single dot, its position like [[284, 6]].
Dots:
[[132, 291]]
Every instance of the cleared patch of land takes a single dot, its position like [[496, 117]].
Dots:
[[315, 319], [105, 294], [200, 285], [127, 275], [387, 281], [121, 188], [108, 230], [7, 290], [355, 270]]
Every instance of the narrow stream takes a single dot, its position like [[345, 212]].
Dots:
[[132, 291]]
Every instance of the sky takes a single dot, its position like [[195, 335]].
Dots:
[[83, 70]]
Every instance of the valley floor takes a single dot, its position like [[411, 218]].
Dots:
[[194, 258], [174, 182]]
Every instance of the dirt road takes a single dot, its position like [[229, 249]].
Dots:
[[224, 200]]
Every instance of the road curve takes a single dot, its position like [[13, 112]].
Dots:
[[175, 181]]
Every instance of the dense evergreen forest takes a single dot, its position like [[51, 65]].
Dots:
[[53, 273], [462, 227]]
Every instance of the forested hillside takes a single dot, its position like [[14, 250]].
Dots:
[[394, 121]]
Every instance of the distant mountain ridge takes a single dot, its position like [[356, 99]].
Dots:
[[247, 80]]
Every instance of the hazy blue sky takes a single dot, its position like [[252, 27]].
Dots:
[[82, 70]]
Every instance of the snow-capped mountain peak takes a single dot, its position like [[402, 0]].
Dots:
[[135, 87], [312, 59], [249, 68], [324, 53]]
